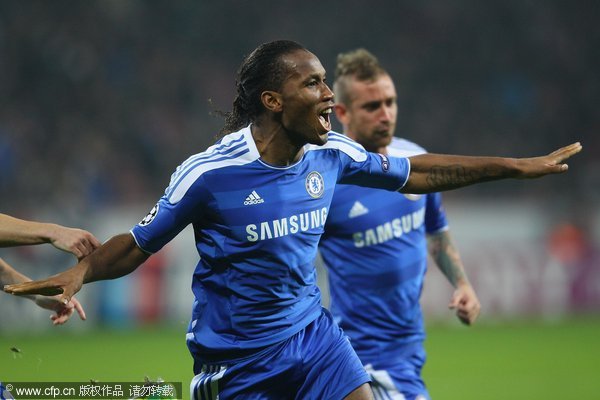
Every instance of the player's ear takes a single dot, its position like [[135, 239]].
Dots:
[[271, 100], [341, 113]]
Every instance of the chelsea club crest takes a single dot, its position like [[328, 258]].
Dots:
[[315, 185]]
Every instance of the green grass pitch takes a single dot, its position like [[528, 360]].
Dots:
[[515, 360], [508, 360]]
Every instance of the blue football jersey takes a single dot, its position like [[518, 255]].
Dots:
[[257, 228], [376, 252]]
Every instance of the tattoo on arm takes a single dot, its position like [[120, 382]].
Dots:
[[455, 176], [447, 257]]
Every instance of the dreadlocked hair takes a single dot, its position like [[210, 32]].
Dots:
[[262, 70]]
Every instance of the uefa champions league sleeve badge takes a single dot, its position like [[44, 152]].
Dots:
[[150, 217]]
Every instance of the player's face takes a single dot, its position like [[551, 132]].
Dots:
[[370, 116], [307, 101]]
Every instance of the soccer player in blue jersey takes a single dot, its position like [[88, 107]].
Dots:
[[19, 232], [258, 200], [375, 242]]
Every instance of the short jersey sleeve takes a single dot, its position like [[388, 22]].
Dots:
[[168, 218], [375, 170]]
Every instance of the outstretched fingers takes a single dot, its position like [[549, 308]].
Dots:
[[549, 164], [566, 152], [45, 287]]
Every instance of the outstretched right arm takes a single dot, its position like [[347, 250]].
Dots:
[[117, 257], [63, 310], [184, 201]]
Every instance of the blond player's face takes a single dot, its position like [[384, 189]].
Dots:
[[370, 118]]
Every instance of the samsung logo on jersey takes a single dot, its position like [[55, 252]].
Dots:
[[287, 225], [390, 230]]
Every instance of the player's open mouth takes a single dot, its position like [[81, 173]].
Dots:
[[324, 118]]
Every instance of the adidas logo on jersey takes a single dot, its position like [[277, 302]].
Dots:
[[357, 210], [253, 198]]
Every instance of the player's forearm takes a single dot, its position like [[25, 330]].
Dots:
[[447, 258], [437, 172], [117, 257], [17, 232]]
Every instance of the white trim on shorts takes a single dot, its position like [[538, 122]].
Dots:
[[205, 385], [382, 385]]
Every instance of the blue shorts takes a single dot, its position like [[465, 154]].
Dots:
[[399, 377], [315, 363]]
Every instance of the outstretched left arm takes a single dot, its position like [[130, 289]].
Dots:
[[438, 172]]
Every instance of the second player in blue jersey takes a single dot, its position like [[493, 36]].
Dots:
[[376, 243]]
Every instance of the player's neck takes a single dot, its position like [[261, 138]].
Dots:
[[275, 145]]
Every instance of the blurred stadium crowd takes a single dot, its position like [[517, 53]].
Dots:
[[102, 100]]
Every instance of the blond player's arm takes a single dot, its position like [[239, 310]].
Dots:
[[446, 256]]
